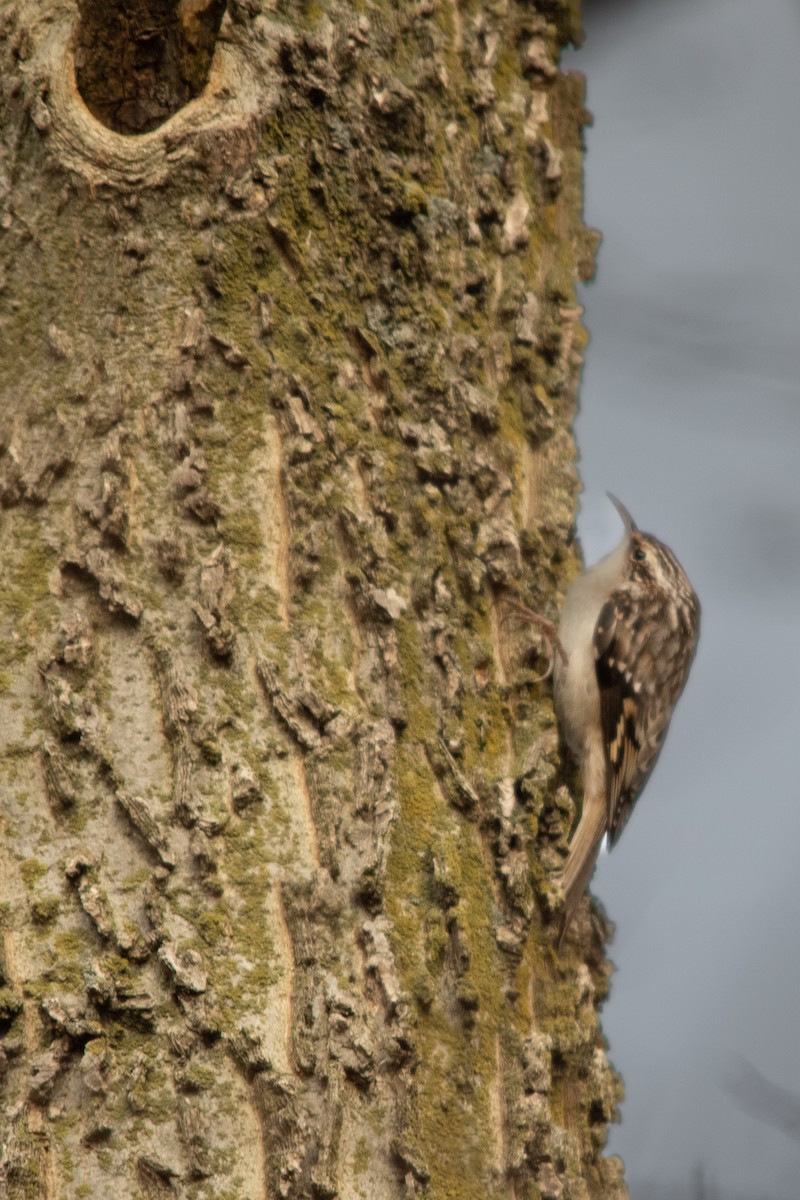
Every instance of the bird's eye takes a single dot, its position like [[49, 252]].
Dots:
[[639, 555]]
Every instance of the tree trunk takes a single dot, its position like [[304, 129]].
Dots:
[[287, 386]]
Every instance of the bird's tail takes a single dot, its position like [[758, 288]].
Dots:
[[581, 858]]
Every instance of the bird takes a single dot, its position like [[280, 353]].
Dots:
[[624, 644]]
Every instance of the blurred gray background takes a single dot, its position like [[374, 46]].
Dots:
[[691, 415]]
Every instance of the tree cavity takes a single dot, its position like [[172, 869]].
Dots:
[[138, 63]]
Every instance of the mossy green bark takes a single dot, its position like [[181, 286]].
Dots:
[[285, 415]]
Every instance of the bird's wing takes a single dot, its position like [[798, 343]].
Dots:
[[633, 726]]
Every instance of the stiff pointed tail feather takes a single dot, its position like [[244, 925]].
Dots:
[[581, 858]]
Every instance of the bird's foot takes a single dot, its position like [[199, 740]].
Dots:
[[548, 629]]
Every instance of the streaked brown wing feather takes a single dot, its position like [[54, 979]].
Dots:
[[623, 718], [644, 642]]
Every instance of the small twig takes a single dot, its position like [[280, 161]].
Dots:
[[463, 784]]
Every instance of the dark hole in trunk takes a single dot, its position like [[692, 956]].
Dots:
[[138, 63]]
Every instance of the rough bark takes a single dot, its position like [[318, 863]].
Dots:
[[287, 385]]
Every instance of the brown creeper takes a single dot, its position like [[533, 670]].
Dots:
[[621, 655], [629, 629]]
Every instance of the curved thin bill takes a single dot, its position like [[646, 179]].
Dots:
[[627, 519]]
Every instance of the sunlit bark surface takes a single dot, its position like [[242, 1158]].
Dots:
[[286, 392]]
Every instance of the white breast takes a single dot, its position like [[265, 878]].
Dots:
[[577, 696]]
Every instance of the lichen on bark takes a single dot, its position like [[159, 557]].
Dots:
[[288, 385]]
